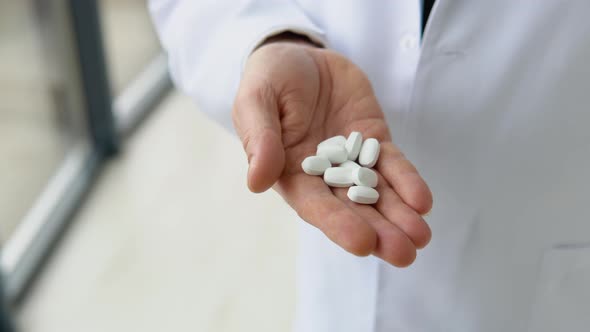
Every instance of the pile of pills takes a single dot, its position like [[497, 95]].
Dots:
[[335, 160]]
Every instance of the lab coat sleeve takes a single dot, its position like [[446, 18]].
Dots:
[[208, 41]]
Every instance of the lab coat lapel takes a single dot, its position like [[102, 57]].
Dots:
[[497, 126]]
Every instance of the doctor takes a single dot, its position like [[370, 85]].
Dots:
[[490, 104]]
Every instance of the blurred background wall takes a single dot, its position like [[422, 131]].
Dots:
[[161, 236]]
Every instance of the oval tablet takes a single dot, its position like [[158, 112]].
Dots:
[[315, 165], [349, 164], [338, 177], [353, 145], [369, 152], [363, 176], [336, 154], [363, 195], [336, 140]]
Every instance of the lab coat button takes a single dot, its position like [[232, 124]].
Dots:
[[408, 42]]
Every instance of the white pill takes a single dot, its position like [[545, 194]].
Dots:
[[315, 165], [349, 164], [353, 145], [363, 195], [336, 154], [369, 152], [338, 177], [336, 140], [363, 176]]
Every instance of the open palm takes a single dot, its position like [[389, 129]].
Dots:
[[292, 97]]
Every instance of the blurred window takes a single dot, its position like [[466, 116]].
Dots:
[[58, 120], [129, 39], [35, 128]]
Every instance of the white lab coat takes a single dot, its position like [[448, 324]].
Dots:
[[493, 110]]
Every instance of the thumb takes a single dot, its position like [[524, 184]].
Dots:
[[256, 119]]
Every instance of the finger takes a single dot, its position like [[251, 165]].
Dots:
[[391, 206], [404, 178], [393, 245], [256, 119], [315, 203]]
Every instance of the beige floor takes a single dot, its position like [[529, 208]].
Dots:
[[171, 240]]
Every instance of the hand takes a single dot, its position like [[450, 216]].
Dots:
[[293, 96]]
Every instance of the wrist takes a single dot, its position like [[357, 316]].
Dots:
[[290, 37]]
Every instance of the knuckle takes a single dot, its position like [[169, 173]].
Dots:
[[396, 248], [415, 228], [362, 248], [246, 138], [356, 239], [258, 91], [393, 153], [400, 164], [405, 260], [358, 246]]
